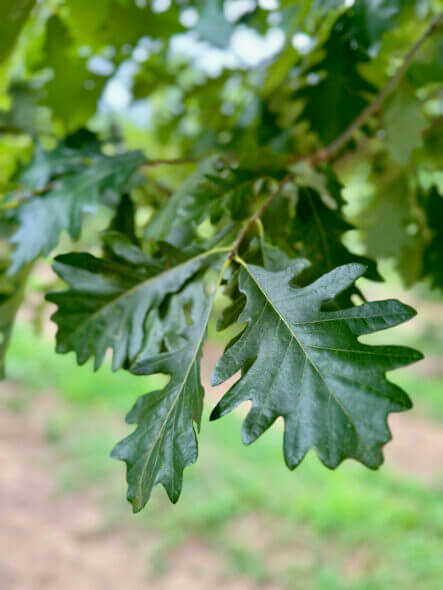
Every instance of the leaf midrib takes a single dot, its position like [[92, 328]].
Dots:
[[262, 290], [139, 493]]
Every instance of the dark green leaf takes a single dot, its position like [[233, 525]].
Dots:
[[123, 221], [168, 223], [337, 77], [215, 190], [46, 165], [108, 301], [308, 366], [165, 442], [318, 232], [369, 19], [433, 254]]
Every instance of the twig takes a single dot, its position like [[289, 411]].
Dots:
[[323, 154], [254, 218], [327, 153], [330, 151], [166, 162]]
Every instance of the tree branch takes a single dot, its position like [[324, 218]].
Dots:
[[173, 162], [327, 153], [330, 151], [323, 154]]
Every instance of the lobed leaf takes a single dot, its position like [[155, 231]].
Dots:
[[165, 441], [214, 191], [337, 76], [307, 365], [318, 231], [109, 301]]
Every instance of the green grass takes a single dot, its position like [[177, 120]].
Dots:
[[426, 392], [351, 529]]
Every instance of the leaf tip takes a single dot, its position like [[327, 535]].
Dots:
[[215, 414]]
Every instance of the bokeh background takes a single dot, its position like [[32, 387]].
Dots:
[[243, 521]]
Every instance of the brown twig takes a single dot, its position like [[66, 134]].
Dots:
[[173, 162], [329, 152]]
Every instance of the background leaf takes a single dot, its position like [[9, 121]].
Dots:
[[404, 123], [41, 219], [14, 15]]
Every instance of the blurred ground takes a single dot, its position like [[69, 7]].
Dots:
[[51, 541], [42, 538], [244, 521]]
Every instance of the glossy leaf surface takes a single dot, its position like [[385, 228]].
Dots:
[[308, 366]]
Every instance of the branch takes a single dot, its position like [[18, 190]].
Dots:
[[327, 153], [166, 162], [330, 151]]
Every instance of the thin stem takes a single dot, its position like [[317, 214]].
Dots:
[[173, 162], [254, 218], [330, 151]]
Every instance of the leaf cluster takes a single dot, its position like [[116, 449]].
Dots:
[[215, 174]]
